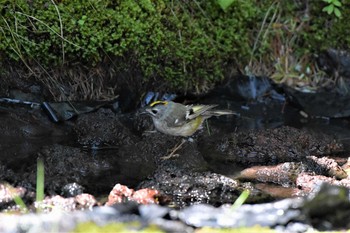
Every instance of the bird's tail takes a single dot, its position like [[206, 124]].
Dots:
[[220, 113]]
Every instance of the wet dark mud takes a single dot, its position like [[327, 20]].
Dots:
[[99, 149], [270, 150]]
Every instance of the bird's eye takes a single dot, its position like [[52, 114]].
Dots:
[[154, 111]]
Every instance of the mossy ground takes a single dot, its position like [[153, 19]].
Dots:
[[133, 227], [93, 49], [90, 227]]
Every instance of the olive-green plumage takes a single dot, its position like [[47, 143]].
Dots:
[[181, 120]]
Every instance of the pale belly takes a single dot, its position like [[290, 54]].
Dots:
[[185, 130]]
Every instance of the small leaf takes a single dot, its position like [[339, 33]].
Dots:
[[81, 22], [329, 9], [336, 3], [337, 12], [224, 4]]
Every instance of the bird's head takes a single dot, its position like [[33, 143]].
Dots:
[[156, 109]]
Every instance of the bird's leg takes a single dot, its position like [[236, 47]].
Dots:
[[176, 148]]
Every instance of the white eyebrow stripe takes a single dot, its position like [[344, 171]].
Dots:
[[188, 113]]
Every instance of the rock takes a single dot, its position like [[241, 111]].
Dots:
[[72, 190], [284, 174], [180, 187], [246, 216], [268, 147], [103, 127], [326, 166], [55, 203], [121, 193], [329, 207]]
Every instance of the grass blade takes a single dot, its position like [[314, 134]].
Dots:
[[40, 181], [240, 200]]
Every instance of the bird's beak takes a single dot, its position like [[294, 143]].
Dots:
[[144, 111]]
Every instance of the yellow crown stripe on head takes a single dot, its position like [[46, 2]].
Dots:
[[158, 102]]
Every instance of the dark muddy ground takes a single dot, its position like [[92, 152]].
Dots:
[[270, 150]]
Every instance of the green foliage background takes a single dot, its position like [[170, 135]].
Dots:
[[185, 45]]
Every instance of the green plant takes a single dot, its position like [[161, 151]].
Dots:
[[40, 181], [333, 7], [182, 45], [204, 40], [224, 4], [39, 188], [19, 202], [185, 43], [240, 200]]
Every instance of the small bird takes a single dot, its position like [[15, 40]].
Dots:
[[181, 120]]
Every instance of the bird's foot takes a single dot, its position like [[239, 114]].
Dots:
[[172, 154]]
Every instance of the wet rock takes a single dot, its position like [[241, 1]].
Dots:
[[65, 165], [268, 147], [24, 131], [153, 211], [70, 170], [103, 127], [310, 182], [72, 190], [145, 196], [122, 193], [95, 171], [295, 227], [329, 208], [66, 110], [323, 103], [56, 221], [278, 192], [125, 217], [119, 194], [283, 174], [85, 201], [335, 62], [326, 166], [159, 216], [246, 216], [286, 174], [192, 187], [181, 187], [80, 202], [57, 203]]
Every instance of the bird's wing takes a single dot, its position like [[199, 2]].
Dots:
[[194, 111]]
